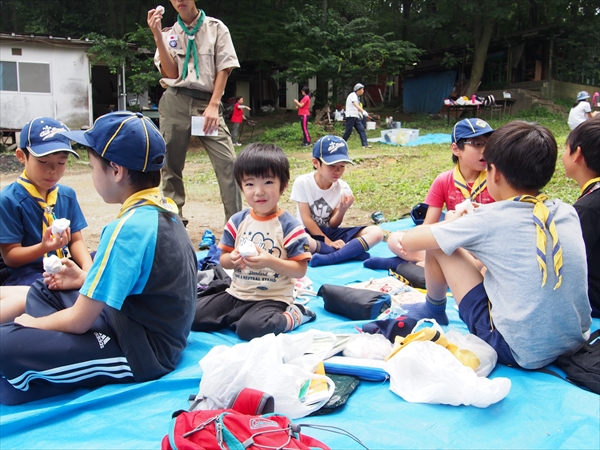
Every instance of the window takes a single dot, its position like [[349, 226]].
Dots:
[[25, 77]]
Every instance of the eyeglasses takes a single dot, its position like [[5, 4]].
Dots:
[[476, 144]]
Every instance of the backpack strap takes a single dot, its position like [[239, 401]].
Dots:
[[253, 402]]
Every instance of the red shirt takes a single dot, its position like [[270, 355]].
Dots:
[[443, 191], [304, 110], [238, 114]]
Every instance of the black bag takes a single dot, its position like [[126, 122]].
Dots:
[[356, 304], [582, 367], [419, 212]]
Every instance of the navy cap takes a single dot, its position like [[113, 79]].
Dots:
[[126, 138], [43, 136], [331, 150], [470, 128]]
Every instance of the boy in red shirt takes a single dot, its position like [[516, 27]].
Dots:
[[237, 118]]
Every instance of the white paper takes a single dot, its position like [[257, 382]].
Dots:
[[198, 127]]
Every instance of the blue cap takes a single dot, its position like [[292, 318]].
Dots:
[[43, 136], [470, 128], [331, 150], [582, 96], [126, 138]]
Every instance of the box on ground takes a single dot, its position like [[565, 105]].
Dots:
[[400, 135]]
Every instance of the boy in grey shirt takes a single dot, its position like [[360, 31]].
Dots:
[[532, 304]]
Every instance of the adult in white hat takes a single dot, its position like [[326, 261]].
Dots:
[[354, 114]]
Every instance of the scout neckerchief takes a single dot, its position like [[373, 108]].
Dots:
[[191, 45], [584, 189], [544, 221], [148, 197], [47, 205], [478, 186]]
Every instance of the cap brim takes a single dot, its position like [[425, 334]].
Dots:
[[331, 163], [48, 148], [78, 136]]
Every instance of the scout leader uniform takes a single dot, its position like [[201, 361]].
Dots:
[[201, 51]]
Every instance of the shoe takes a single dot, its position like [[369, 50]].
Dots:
[[367, 146], [237, 144], [378, 217], [300, 314], [208, 239], [306, 144]]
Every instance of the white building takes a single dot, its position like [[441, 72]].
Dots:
[[50, 76]]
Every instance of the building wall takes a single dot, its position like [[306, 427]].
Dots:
[[70, 88]]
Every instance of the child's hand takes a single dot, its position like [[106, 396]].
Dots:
[[51, 242], [26, 320], [237, 260], [335, 244], [398, 249], [346, 201], [453, 215], [260, 261], [70, 277]]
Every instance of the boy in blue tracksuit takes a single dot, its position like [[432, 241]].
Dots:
[[128, 318]]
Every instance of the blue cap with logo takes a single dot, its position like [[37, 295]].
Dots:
[[582, 96], [43, 136], [331, 150], [470, 128], [126, 138]]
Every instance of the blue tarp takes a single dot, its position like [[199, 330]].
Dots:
[[540, 411], [433, 138], [425, 94]]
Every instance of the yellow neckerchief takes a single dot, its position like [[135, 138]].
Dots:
[[587, 185], [148, 197], [478, 186], [47, 204], [544, 220]]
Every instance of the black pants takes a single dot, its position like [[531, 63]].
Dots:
[[249, 319], [37, 363]]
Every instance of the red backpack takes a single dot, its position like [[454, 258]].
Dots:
[[248, 424]]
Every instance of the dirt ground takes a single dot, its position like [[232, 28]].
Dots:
[[204, 212]]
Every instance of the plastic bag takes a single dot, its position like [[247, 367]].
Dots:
[[484, 351], [425, 372], [368, 346], [278, 365]]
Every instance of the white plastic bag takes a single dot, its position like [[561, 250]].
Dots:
[[368, 346], [484, 351], [278, 365], [425, 372]]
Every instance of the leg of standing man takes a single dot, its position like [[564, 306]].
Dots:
[[358, 124], [350, 123]]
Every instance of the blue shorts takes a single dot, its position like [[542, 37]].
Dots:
[[474, 310], [343, 233]]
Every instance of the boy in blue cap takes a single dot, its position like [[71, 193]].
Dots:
[[466, 180], [127, 319], [323, 199], [32, 203]]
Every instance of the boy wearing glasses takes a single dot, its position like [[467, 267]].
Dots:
[[465, 181]]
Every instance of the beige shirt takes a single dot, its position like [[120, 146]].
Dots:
[[215, 53]]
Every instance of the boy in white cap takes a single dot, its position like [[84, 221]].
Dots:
[[31, 204], [323, 199], [127, 319], [354, 115], [581, 110]]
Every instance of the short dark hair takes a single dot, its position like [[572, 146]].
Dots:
[[237, 99], [524, 153], [587, 137], [461, 146], [137, 179], [305, 90], [262, 160]]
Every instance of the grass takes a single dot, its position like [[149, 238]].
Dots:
[[386, 178]]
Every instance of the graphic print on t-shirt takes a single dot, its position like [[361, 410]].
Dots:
[[321, 212], [264, 276]]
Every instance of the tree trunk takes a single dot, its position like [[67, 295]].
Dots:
[[483, 35]]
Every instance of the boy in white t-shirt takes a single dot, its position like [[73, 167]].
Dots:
[[323, 199]]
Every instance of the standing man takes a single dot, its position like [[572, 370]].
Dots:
[[195, 57], [354, 114]]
